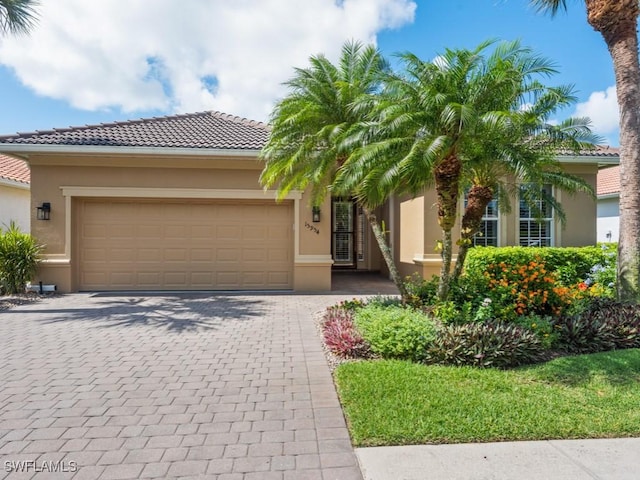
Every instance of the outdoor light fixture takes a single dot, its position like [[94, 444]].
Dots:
[[315, 214], [44, 211], [608, 235]]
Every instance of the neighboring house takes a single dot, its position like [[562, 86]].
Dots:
[[15, 199], [174, 203], [609, 204]]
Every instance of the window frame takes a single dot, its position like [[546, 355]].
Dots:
[[549, 220]]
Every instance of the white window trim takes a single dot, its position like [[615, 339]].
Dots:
[[552, 220]]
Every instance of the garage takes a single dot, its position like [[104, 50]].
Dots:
[[173, 244]]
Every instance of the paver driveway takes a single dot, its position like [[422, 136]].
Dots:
[[170, 386]]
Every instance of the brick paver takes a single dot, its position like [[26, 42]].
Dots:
[[189, 385]]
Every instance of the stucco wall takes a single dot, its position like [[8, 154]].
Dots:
[[312, 264], [419, 231], [15, 204], [608, 219]]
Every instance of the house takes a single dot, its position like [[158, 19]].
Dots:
[[174, 203], [14, 192], [413, 221], [609, 204]]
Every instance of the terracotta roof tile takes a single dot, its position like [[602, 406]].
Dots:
[[196, 130], [609, 180], [599, 151], [14, 169]]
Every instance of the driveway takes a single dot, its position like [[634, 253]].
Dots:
[[198, 385]]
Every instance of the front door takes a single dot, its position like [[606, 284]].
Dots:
[[343, 232]]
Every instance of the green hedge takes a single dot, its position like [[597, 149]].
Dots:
[[571, 264]]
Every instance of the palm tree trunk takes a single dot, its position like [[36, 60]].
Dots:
[[386, 252], [477, 201], [617, 21], [447, 180]]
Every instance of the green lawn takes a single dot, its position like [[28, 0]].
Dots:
[[587, 396]]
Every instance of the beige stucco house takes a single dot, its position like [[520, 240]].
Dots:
[[174, 203], [14, 193]]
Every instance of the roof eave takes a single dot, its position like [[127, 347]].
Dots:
[[23, 150], [605, 196], [600, 160], [7, 182]]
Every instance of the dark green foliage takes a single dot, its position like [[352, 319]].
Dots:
[[19, 257], [603, 325], [489, 344], [570, 264], [396, 332]]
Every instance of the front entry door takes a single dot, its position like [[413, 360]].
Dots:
[[343, 234]]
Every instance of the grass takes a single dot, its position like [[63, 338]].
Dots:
[[399, 403]]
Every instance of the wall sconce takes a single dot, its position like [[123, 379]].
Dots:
[[315, 214], [44, 211], [608, 235]]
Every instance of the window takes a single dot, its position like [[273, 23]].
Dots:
[[488, 235], [535, 231]]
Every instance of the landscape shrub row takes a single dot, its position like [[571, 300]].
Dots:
[[513, 306]]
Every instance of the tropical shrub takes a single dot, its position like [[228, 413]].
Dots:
[[420, 291], [341, 336], [395, 331], [517, 289], [604, 324], [543, 327], [488, 344], [571, 265], [19, 257]]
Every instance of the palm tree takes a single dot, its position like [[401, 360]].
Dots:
[[434, 118], [306, 146], [17, 16], [530, 158], [617, 22]]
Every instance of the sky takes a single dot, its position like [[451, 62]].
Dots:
[[98, 61]]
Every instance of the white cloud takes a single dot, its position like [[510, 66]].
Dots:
[[180, 57], [602, 108]]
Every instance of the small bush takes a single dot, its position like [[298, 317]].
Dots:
[[341, 336], [421, 292], [396, 332], [603, 325], [541, 326], [19, 257], [384, 300], [489, 344]]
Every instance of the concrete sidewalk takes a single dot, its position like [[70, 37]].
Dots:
[[608, 459]]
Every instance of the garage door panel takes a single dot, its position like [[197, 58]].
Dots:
[[184, 245]]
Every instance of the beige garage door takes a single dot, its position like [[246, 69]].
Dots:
[[184, 245]]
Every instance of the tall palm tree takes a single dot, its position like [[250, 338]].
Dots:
[[17, 16], [306, 146], [617, 22], [432, 120]]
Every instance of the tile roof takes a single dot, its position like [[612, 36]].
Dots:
[[599, 151], [609, 180], [14, 169], [196, 130]]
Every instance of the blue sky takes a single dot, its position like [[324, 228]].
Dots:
[[87, 63]]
